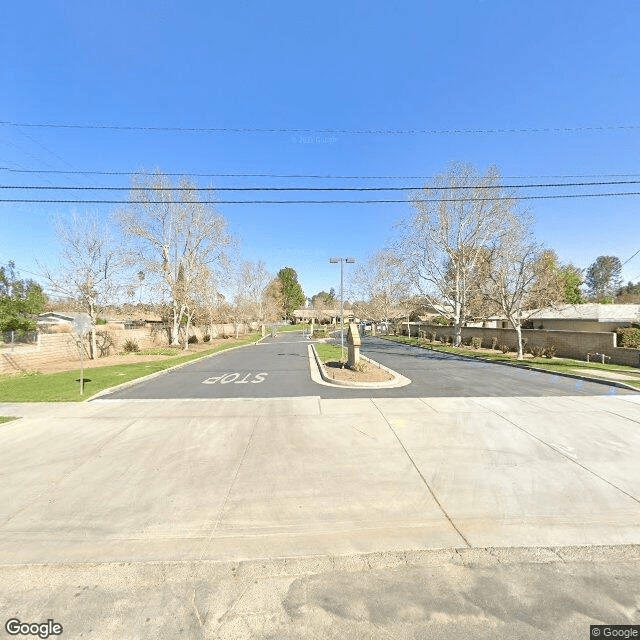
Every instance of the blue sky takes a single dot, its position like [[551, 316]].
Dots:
[[331, 65]]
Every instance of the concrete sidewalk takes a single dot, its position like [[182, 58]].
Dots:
[[95, 493]]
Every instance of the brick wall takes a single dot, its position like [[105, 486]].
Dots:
[[569, 344]]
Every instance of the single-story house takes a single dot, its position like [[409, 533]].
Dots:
[[575, 317]]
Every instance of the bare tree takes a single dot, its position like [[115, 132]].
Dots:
[[381, 283], [455, 217], [177, 236], [521, 276], [88, 265]]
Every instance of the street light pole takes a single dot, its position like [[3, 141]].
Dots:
[[342, 261]]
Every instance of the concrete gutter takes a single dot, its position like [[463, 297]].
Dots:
[[319, 375], [576, 376], [156, 374]]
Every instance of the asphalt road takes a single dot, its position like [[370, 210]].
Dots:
[[279, 367]]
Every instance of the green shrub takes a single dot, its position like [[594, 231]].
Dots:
[[101, 321], [206, 337], [629, 337], [494, 343], [549, 351], [131, 346], [504, 348], [193, 340], [476, 342], [441, 320]]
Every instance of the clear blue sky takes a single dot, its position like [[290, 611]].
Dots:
[[337, 65]]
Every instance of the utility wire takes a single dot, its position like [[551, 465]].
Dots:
[[300, 175], [631, 258], [116, 127], [414, 188], [541, 197]]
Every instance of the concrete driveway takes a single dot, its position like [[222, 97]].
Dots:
[[311, 517]]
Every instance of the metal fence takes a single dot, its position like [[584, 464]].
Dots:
[[13, 339]]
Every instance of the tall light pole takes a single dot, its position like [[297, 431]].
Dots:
[[342, 261]]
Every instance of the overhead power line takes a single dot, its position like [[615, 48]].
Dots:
[[304, 175], [120, 127], [540, 197], [413, 188]]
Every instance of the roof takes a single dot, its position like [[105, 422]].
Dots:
[[69, 316], [591, 311]]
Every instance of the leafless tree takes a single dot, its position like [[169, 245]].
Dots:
[[520, 276], [381, 283], [454, 219], [89, 263], [176, 235]]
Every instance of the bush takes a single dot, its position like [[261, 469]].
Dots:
[[193, 340], [629, 337], [476, 343], [104, 342], [206, 337], [525, 347], [504, 348], [101, 321], [494, 343], [441, 320], [131, 346], [537, 351], [549, 351]]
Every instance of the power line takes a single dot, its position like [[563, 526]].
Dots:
[[631, 258], [541, 197], [306, 175], [118, 127], [413, 188]]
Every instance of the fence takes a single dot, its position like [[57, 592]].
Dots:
[[38, 349], [13, 339], [568, 344]]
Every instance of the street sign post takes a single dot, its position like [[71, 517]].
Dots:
[[81, 325]]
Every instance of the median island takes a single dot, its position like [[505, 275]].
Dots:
[[337, 368]]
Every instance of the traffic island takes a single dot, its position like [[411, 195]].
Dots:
[[369, 374]]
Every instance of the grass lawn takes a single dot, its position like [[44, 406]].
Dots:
[[328, 352], [65, 387], [291, 327], [564, 365]]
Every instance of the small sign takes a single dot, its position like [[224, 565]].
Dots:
[[81, 325]]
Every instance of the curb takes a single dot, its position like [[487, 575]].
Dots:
[[576, 376], [398, 379], [155, 374]]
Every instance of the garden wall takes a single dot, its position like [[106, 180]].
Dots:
[[56, 347], [569, 344]]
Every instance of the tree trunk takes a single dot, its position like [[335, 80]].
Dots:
[[175, 328], [186, 335], [518, 328]]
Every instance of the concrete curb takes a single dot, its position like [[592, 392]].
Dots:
[[576, 376], [398, 379], [151, 376]]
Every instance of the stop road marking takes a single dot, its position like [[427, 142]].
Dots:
[[233, 377]]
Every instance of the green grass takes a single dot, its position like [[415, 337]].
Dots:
[[293, 327], [563, 365], [65, 387], [328, 352], [7, 419], [155, 351]]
